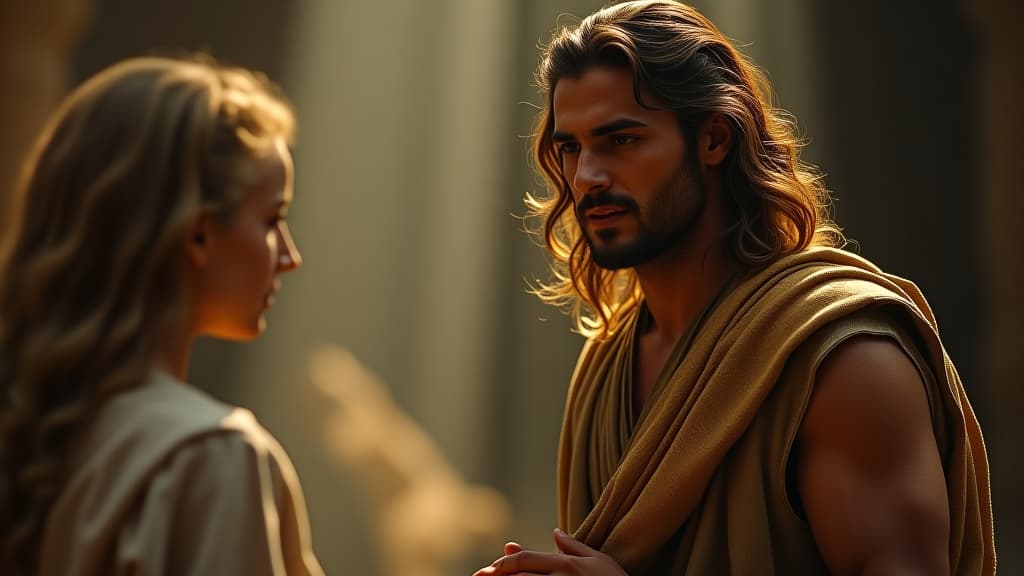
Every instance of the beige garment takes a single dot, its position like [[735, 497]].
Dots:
[[697, 484], [171, 482]]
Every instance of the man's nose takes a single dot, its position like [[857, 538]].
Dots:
[[591, 173]]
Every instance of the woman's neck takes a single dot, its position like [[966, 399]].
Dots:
[[174, 356]]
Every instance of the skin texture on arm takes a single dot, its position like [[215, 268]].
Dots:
[[868, 467]]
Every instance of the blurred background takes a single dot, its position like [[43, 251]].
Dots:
[[416, 384]]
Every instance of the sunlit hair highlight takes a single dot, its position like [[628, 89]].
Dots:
[[93, 282], [776, 203]]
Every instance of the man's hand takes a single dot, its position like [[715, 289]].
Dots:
[[573, 559]]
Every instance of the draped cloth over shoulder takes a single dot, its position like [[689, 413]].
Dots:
[[681, 492], [169, 481]]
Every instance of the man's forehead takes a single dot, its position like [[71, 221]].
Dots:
[[599, 95]]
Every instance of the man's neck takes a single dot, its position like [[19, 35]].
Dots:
[[679, 284]]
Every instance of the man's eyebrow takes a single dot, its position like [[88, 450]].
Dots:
[[602, 130]]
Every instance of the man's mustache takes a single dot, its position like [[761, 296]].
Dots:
[[604, 198]]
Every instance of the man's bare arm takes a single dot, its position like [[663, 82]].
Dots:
[[868, 466]]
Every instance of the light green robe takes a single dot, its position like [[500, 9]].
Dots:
[[169, 481]]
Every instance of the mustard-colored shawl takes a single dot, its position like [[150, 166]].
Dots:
[[667, 483]]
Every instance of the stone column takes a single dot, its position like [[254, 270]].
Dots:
[[36, 39], [1001, 126]]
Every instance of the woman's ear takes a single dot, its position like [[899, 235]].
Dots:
[[715, 140], [197, 242]]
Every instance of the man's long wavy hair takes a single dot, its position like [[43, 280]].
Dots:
[[776, 203], [93, 284]]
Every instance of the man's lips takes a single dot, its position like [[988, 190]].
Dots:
[[605, 211], [605, 215]]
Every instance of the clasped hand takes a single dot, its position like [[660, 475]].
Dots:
[[574, 558]]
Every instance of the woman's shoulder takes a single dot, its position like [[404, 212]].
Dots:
[[168, 459], [138, 431], [155, 416]]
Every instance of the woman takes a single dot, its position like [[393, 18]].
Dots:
[[154, 208]]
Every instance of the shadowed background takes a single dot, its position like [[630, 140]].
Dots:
[[411, 166]]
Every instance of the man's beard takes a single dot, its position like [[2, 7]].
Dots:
[[673, 211]]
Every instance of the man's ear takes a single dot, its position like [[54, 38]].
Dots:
[[715, 140], [197, 241]]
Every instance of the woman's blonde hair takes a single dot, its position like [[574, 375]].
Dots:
[[777, 204], [93, 283]]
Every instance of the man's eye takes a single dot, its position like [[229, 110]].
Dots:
[[619, 139], [568, 147]]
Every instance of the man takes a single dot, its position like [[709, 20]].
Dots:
[[751, 400]]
